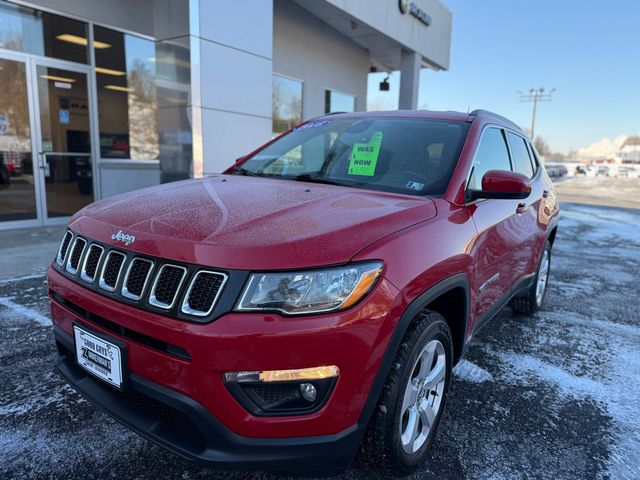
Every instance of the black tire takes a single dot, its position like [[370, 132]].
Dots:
[[382, 449], [528, 302]]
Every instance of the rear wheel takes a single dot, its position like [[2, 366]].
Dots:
[[532, 299], [408, 413]]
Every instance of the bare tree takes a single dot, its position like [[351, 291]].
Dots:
[[541, 146]]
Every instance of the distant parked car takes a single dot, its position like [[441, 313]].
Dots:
[[627, 171], [603, 171], [556, 170], [580, 170]]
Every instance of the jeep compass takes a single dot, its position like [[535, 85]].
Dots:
[[310, 302]]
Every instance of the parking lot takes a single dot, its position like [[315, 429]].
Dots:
[[553, 396]]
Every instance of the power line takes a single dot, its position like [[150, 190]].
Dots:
[[535, 95]]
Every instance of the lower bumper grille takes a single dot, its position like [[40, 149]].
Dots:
[[169, 417]]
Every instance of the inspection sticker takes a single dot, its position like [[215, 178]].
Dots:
[[364, 156]]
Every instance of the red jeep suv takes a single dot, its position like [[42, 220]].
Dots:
[[313, 299]]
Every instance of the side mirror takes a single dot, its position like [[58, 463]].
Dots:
[[502, 184]]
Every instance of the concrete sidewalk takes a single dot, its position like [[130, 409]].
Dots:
[[28, 251]]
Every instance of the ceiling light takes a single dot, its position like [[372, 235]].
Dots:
[[108, 71], [58, 79], [75, 39], [118, 88]]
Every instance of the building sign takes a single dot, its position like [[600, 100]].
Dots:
[[408, 6], [63, 115]]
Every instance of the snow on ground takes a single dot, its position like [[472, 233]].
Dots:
[[470, 372], [551, 396]]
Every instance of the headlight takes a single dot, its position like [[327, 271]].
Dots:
[[310, 291]]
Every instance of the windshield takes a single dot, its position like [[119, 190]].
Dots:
[[413, 156]]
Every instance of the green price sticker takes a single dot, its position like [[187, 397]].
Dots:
[[364, 156]]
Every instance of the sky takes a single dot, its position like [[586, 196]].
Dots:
[[588, 51]]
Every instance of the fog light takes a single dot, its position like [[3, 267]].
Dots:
[[314, 373], [308, 392], [282, 392]]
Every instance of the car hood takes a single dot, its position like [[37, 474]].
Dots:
[[251, 222]]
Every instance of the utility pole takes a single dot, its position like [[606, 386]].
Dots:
[[535, 95]]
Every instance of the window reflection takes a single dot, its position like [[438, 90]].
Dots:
[[127, 99], [338, 102], [287, 104], [41, 33], [17, 194]]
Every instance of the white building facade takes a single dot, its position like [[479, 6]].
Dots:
[[109, 96]]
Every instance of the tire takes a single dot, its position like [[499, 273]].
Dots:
[[385, 450], [532, 300]]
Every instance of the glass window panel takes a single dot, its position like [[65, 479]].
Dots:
[[17, 192], [127, 97], [389, 154], [492, 154], [41, 33], [66, 140], [287, 104], [338, 102], [520, 155]]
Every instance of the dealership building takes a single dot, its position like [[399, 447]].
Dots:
[[103, 97]]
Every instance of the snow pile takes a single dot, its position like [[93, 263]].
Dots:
[[470, 372]]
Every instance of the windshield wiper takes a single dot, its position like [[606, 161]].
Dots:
[[243, 171], [305, 177]]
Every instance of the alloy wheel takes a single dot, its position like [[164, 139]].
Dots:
[[543, 276], [423, 397]]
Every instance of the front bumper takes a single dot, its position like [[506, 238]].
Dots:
[[181, 402], [184, 427]]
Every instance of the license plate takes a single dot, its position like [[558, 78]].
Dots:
[[98, 357]]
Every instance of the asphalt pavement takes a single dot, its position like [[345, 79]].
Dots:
[[552, 396]]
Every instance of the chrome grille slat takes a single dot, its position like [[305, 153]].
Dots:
[[73, 262], [203, 293], [111, 270], [64, 247], [166, 286], [136, 278], [91, 262]]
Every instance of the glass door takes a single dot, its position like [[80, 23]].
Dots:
[[18, 199], [63, 140]]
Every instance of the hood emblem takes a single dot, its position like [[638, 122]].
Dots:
[[123, 237]]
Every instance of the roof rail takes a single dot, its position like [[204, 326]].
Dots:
[[479, 111]]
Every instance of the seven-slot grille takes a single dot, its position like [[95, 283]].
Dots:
[[129, 276]]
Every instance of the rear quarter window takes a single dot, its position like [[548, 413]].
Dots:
[[520, 155]]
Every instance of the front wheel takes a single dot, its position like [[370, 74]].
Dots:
[[408, 413], [532, 299]]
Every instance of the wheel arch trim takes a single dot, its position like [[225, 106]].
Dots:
[[458, 280]]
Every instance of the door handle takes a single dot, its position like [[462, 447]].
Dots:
[[546, 193], [521, 208], [43, 160]]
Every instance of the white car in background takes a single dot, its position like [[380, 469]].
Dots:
[[628, 171]]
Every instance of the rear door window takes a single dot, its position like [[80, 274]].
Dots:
[[492, 154], [520, 155]]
